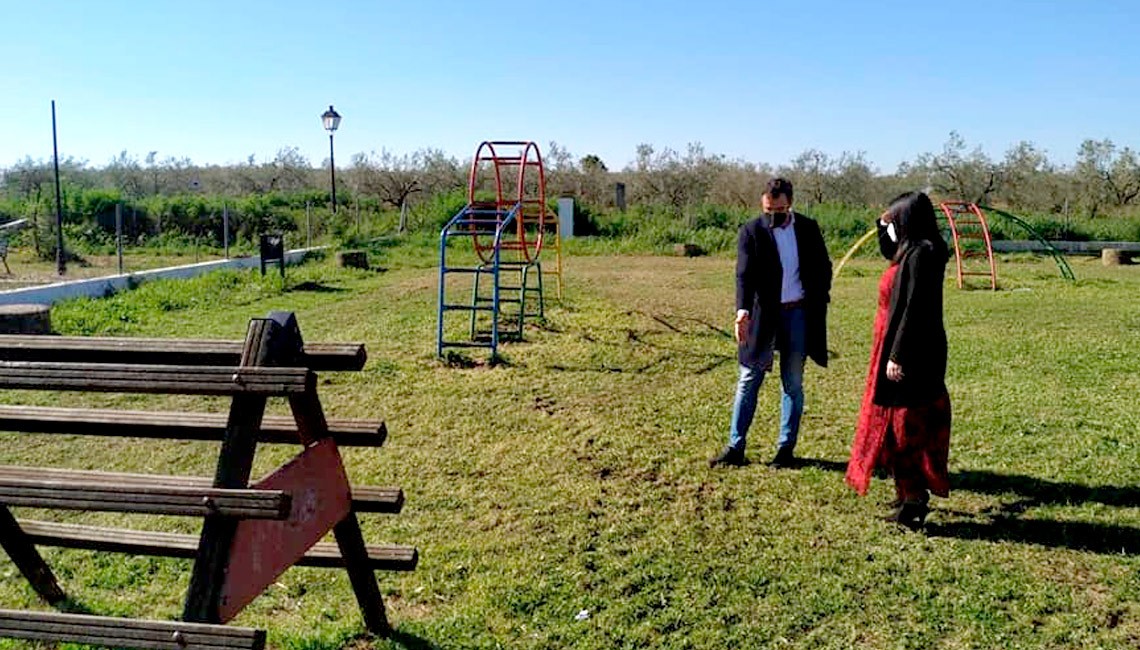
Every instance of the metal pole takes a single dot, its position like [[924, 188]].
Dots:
[[226, 229], [36, 227], [119, 234], [60, 262], [309, 223], [332, 172]]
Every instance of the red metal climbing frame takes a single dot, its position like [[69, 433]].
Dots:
[[968, 222], [519, 180]]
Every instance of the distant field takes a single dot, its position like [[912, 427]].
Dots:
[[572, 478]]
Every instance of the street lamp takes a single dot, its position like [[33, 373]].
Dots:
[[331, 120]]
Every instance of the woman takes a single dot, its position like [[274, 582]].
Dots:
[[904, 423]]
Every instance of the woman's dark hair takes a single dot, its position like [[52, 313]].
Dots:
[[913, 216]]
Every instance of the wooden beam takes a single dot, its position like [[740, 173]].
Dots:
[[175, 425], [169, 380], [189, 352], [153, 499], [126, 633], [381, 557], [375, 499]]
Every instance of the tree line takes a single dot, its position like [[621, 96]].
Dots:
[[171, 194]]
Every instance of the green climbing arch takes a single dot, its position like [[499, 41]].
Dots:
[[1066, 270]]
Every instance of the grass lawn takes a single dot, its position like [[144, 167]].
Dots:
[[28, 270], [561, 499]]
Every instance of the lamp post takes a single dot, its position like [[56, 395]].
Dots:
[[331, 120]]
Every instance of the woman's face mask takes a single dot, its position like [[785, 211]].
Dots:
[[891, 232]]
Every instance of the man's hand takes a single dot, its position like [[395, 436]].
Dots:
[[894, 371], [740, 329]]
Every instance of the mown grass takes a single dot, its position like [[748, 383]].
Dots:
[[572, 476], [29, 270]]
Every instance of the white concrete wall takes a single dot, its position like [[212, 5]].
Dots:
[[99, 287], [1071, 247]]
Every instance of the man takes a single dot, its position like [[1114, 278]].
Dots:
[[783, 285]]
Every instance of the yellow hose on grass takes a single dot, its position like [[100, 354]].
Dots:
[[862, 240]]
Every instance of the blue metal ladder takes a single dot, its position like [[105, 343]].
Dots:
[[475, 221]]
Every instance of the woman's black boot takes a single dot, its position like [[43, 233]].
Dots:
[[911, 514]]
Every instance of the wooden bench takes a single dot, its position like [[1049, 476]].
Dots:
[[111, 631], [364, 498], [199, 352], [174, 425], [277, 519]]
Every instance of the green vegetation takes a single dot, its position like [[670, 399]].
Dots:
[[572, 477], [694, 196]]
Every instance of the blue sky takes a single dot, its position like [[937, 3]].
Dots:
[[763, 81]]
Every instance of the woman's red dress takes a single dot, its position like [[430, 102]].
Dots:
[[911, 442]]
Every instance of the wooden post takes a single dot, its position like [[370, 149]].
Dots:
[[36, 228], [355, 259], [119, 234], [355, 554], [25, 318], [312, 426], [27, 559], [1114, 256], [226, 229], [234, 464]]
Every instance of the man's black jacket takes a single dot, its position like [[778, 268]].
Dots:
[[759, 279]]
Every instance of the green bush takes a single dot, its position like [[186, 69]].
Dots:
[[191, 221], [433, 214]]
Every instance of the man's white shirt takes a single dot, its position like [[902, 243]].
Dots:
[[785, 236]]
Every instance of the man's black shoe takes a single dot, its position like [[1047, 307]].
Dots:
[[729, 456], [784, 459]]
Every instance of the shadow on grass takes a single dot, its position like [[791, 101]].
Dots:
[[701, 363], [71, 606], [1005, 524], [315, 287], [1042, 491], [1037, 491], [628, 340], [453, 359], [1079, 536]]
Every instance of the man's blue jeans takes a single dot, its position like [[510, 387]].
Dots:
[[791, 344]]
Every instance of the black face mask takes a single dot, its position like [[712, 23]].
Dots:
[[778, 218]]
